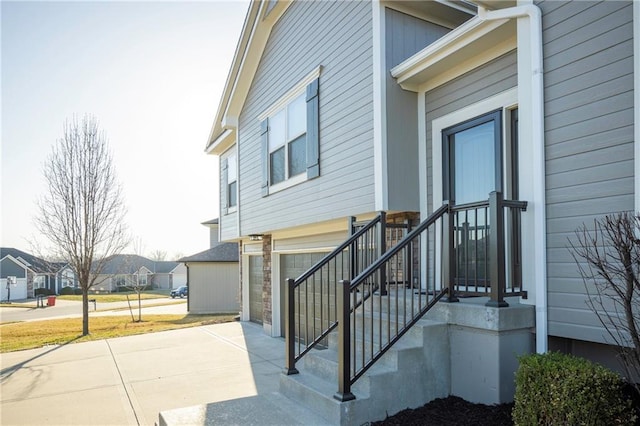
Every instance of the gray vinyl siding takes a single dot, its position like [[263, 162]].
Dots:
[[228, 221], [488, 80], [405, 36], [213, 287], [337, 36], [588, 140]]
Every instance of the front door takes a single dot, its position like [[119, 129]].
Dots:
[[472, 170]]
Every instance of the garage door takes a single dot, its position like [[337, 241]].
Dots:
[[292, 266], [255, 289], [18, 292]]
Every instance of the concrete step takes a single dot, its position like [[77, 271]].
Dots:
[[413, 373], [272, 409]]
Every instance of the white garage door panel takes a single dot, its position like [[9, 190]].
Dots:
[[18, 292]]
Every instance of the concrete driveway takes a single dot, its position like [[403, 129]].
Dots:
[[129, 380]]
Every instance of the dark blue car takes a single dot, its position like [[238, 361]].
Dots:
[[181, 292]]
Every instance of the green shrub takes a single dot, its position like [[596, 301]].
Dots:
[[559, 389], [67, 291], [77, 291]]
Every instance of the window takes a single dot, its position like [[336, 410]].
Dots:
[[290, 138], [473, 158], [232, 182], [39, 282], [229, 181], [287, 141], [142, 280]]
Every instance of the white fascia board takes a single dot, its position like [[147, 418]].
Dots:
[[253, 54], [449, 50], [222, 142], [249, 22]]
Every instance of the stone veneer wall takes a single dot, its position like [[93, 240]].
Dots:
[[30, 277], [267, 317]]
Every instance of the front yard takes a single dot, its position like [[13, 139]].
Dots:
[[35, 334]]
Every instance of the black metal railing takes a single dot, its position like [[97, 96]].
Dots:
[[480, 234], [370, 323], [310, 300], [456, 250]]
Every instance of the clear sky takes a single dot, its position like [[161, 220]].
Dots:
[[152, 73]]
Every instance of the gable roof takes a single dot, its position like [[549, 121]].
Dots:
[[224, 252], [259, 21], [261, 17], [165, 266], [126, 264], [30, 261]]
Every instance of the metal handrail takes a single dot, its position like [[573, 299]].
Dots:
[[293, 286], [360, 319], [355, 356]]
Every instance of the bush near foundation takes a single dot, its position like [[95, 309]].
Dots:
[[67, 291], [559, 389]]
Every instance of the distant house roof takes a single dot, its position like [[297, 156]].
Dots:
[[225, 252], [165, 266], [126, 264], [30, 261]]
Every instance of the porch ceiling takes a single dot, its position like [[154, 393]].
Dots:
[[468, 46]]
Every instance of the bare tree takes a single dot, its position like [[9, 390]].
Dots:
[[608, 259], [82, 213], [158, 255], [138, 246]]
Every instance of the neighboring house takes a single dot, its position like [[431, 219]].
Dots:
[[126, 270], [66, 278], [169, 274], [31, 273], [213, 276], [335, 110]]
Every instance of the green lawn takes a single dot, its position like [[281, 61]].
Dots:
[[35, 334]]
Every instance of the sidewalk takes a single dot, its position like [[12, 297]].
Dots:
[[129, 380]]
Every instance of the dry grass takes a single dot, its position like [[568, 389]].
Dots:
[[35, 334]]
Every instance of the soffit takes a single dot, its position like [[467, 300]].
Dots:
[[468, 46]]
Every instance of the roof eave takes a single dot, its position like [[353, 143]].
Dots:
[[474, 38], [253, 39]]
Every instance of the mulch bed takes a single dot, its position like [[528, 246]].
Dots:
[[452, 411]]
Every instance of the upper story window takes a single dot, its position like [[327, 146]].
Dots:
[[229, 181], [290, 137], [287, 141], [232, 181]]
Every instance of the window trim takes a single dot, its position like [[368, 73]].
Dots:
[[232, 159], [288, 139], [308, 86], [230, 154]]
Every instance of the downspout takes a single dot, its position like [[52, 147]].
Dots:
[[534, 15]]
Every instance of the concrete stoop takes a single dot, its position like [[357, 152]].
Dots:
[[414, 371]]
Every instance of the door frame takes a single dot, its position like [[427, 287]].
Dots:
[[504, 101]]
